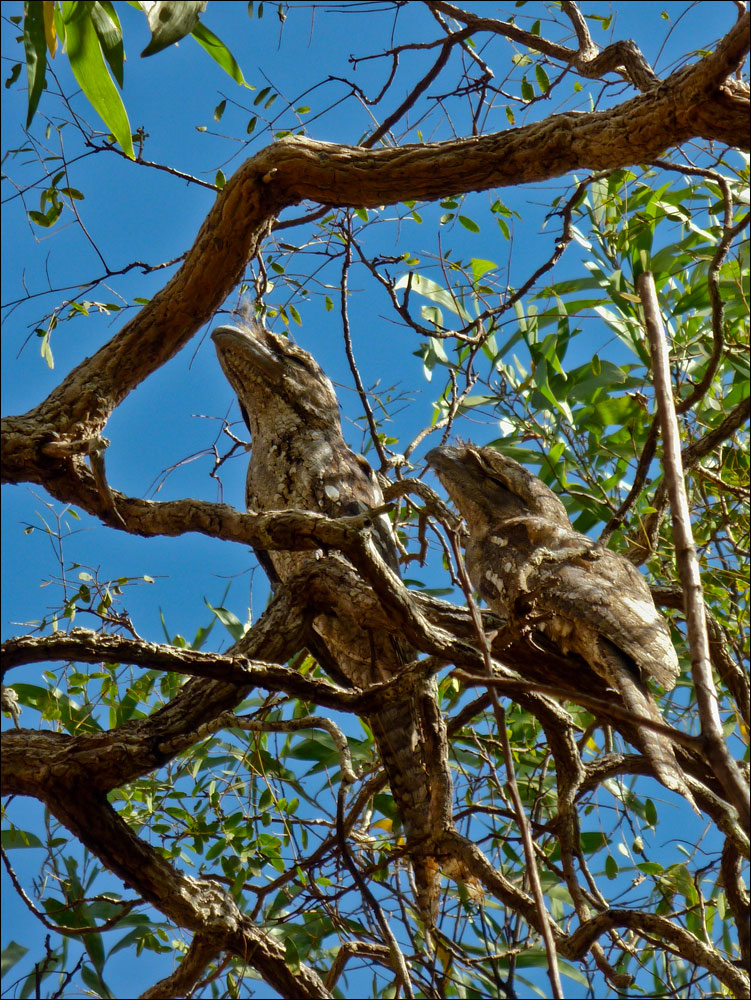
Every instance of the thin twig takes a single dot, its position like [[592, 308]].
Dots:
[[125, 906], [399, 964], [365, 402], [521, 817]]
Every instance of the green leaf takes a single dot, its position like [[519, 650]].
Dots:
[[291, 955], [432, 315], [217, 848], [35, 47], [90, 976], [230, 621], [89, 69], [317, 746], [107, 25], [219, 53], [13, 838], [593, 840], [542, 79], [541, 381], [650, 813], [481, 267], [469, 224], [436, 293], [678, 878], [46, 350], [12, 954], [42, 218], [650, 867]]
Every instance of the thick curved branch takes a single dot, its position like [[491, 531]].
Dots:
[[691, 103], [221, 682], [140, 745], [182, 981], [196, 904], [652, 925], [85, 646]]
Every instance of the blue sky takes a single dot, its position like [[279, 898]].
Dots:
[[133, 213]]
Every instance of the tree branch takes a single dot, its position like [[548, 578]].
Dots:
[[688, 567]]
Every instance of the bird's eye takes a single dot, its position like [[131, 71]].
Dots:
[[301, 362], [245, 416], [499, 483]]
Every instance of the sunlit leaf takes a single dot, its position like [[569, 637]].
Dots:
[[35, 47], [90, 70]]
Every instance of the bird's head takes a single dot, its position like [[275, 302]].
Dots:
[[267, 370], [488, 487]]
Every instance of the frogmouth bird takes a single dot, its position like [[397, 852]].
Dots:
[[299, 459], [560, 588]]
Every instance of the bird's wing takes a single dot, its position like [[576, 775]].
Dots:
[[586, 588]]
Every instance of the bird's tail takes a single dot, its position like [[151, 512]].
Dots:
[[656, 746], [411, 737]]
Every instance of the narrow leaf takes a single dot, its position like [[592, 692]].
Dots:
[[219, 52], [469, 224], [107, 25], [89, 69], [542, 79], [10, 955], [36, 55]]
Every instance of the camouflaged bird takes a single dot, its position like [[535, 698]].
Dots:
[[299, 459], [546, 579]]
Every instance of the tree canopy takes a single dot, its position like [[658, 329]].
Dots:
[[520, 226]]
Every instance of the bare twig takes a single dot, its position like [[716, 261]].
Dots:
[[364, 401], [124, 907], [545, 920], [397, 957]]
